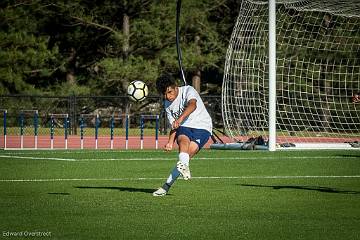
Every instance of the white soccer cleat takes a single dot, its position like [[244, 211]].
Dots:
[[184, 170], [160, 192]]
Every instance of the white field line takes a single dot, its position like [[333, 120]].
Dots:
[[146, 179], [37, 158], [213, 158], [170, 158]]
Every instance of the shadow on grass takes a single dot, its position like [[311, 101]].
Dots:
[[122, 189], [308, 188], [350, 156], [58, 193]]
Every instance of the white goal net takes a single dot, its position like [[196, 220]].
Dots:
[[317, 72]]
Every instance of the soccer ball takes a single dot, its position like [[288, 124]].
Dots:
[[137, 90]]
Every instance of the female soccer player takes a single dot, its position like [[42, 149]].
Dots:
[[191, 126]]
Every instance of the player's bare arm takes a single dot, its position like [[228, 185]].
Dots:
[[171, 140], [191, 106]]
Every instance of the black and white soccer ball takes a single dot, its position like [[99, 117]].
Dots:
[[137, 91]]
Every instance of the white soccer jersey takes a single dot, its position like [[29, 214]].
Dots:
[[199, 118]]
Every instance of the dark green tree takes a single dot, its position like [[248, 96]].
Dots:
[[27, 62], [98, 47]]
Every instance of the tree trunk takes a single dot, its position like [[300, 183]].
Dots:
[[126, 32], [196, 80], [126, 47], [70, 77], [70, 74]]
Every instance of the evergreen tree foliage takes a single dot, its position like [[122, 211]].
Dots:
[[26, 59], [97, 47]]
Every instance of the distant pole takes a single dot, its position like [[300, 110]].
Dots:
[[112, 132], [66, 122], [5, 113], [272, 75], [142, 125], [157, 132], [52, 132], [127, 131], [22, 130], [82, 132], [96, 130], [36, 125]]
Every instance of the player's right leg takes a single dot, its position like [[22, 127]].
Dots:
[[183, 164], [184, 156]]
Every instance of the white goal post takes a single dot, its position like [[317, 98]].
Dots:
[[315, 63]]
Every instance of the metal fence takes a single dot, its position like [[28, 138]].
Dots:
[[20, 110]]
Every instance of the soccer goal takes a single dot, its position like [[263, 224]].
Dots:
[[317, 62]]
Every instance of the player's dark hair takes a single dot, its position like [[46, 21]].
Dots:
[[165, 81]]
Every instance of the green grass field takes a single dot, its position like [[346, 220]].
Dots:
[[232, 195]]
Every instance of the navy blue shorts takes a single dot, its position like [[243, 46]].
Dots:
[[199, 136]]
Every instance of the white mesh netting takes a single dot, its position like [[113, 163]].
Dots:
[[318, 72]]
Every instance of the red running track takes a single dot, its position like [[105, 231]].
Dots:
[[74, 142], [134, 142]]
